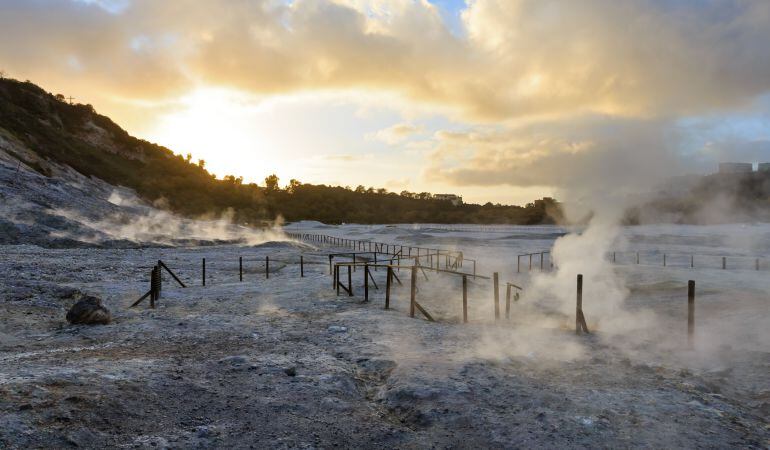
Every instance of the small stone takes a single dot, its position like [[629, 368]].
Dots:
[[89, 311], [235, 360], [337, 329], [290, 371]]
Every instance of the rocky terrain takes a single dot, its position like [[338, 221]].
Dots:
[[65, 209], [285, 363]]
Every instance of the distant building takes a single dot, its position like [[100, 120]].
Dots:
[[733, 167], [455, 199], [763, 167]]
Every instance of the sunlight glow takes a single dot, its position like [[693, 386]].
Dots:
[[220, 127]]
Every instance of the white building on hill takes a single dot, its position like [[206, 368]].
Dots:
[[455, 199]]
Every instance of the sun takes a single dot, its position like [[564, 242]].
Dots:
[[221, 127]]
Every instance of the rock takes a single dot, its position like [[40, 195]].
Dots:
[[337, 329], [235, 360], [291, 371], [205, 431], [89, 311]]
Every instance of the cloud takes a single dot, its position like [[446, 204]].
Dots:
[[593, 157], [396, 134], [549, 92], [520, 58], [396, 184], [344, 157]]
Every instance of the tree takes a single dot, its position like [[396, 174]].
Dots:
[[293, 185], [271, 182], [360, 189], [59, 97], [202, 163], [188, 157], [233, 179]]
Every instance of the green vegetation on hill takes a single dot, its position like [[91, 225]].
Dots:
[[69, 134]]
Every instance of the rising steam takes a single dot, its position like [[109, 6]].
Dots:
[[142, 224]]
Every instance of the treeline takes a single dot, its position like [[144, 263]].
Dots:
[[70, 134], [332, 204]]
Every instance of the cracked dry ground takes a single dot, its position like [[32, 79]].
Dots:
[[284, 363]]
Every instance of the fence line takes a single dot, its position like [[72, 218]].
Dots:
[[512, 290], [432, 256], [691, 260]]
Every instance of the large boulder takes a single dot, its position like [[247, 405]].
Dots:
[[89, 311]]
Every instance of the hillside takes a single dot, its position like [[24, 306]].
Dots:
[[709, 199], [51, 132]]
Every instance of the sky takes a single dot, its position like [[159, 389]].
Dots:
[[496, 100]]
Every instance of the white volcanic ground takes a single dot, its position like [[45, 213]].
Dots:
[[285, 363], [70, 210]]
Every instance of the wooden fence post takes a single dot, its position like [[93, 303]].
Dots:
[[518, 263], [465, 299], [413, 291], [204, 271], [240, 268], [267, 267], [159, 280], [301, 266], [163, 265], [508, 301], [724, 262], [497, 295], [337, 278], [156, 282], [579, 306], [387, 287], [690, 312], [366, 282], [664, 260], [580, 320], [350, 281], [637, 257], [692, 261], [153, 287]]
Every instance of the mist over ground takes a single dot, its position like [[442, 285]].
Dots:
[[606, 119], [268, 361]]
